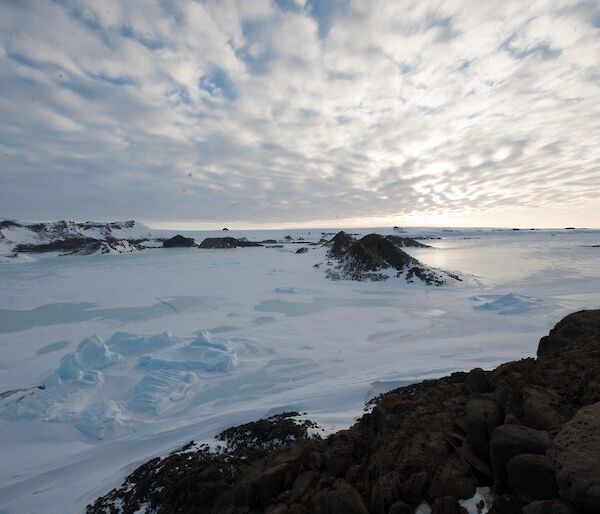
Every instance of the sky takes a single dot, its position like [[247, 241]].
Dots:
[[258, 113]]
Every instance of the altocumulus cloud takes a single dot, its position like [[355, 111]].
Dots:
[[300, 110]]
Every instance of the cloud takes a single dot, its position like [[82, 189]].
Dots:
[[300, 111]]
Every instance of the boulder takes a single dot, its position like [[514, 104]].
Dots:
[[576, 455], [538, 409], [511, 440], [452, 478], [303, 484], [341, 498], [548, 507], [400, 507], [447, 505], [482, 416], [532, 477], [569, 329], [302, 250], [503, 504], [478, 381], [385, 493]]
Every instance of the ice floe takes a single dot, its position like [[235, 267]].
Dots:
[[508, 304], [86, 362]]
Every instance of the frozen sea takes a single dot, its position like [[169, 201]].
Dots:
[[139, 353]]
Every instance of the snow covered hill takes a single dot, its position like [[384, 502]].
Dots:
[[69, 237]]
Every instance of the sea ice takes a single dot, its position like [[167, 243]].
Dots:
[[508, 304], [159, 389], [85, 363], [132, 345]]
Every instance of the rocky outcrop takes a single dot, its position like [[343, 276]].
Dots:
[[431, 442], [377, 257], [72, 238], [179, 241], [226, 242], [406, 242]]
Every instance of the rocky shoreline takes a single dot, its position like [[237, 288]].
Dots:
[[529, 430]]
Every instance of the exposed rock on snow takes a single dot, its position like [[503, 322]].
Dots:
[[424, 448], [179, 241], [226, 242], [68, 237], [376, 257], [406, 242]]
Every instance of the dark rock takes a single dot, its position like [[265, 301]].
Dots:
[[480, 468], [71, 245], [340, 244], [569, 330], [511, 419], [548, 507], [506, 505], [478, 381], [302, 250], [576, 454], [341, 498], [385, 493], [400, 507], [179, 241], [447, 505], [366, 258], [303, 485], [482, 416], [453, 478], [532, 477], [406, 242], [511, 440], [226, 242], [538, 409]]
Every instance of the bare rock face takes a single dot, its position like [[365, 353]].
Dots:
[[576, 454]]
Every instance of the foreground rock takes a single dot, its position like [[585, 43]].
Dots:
[[377, 257], [433, 442]]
